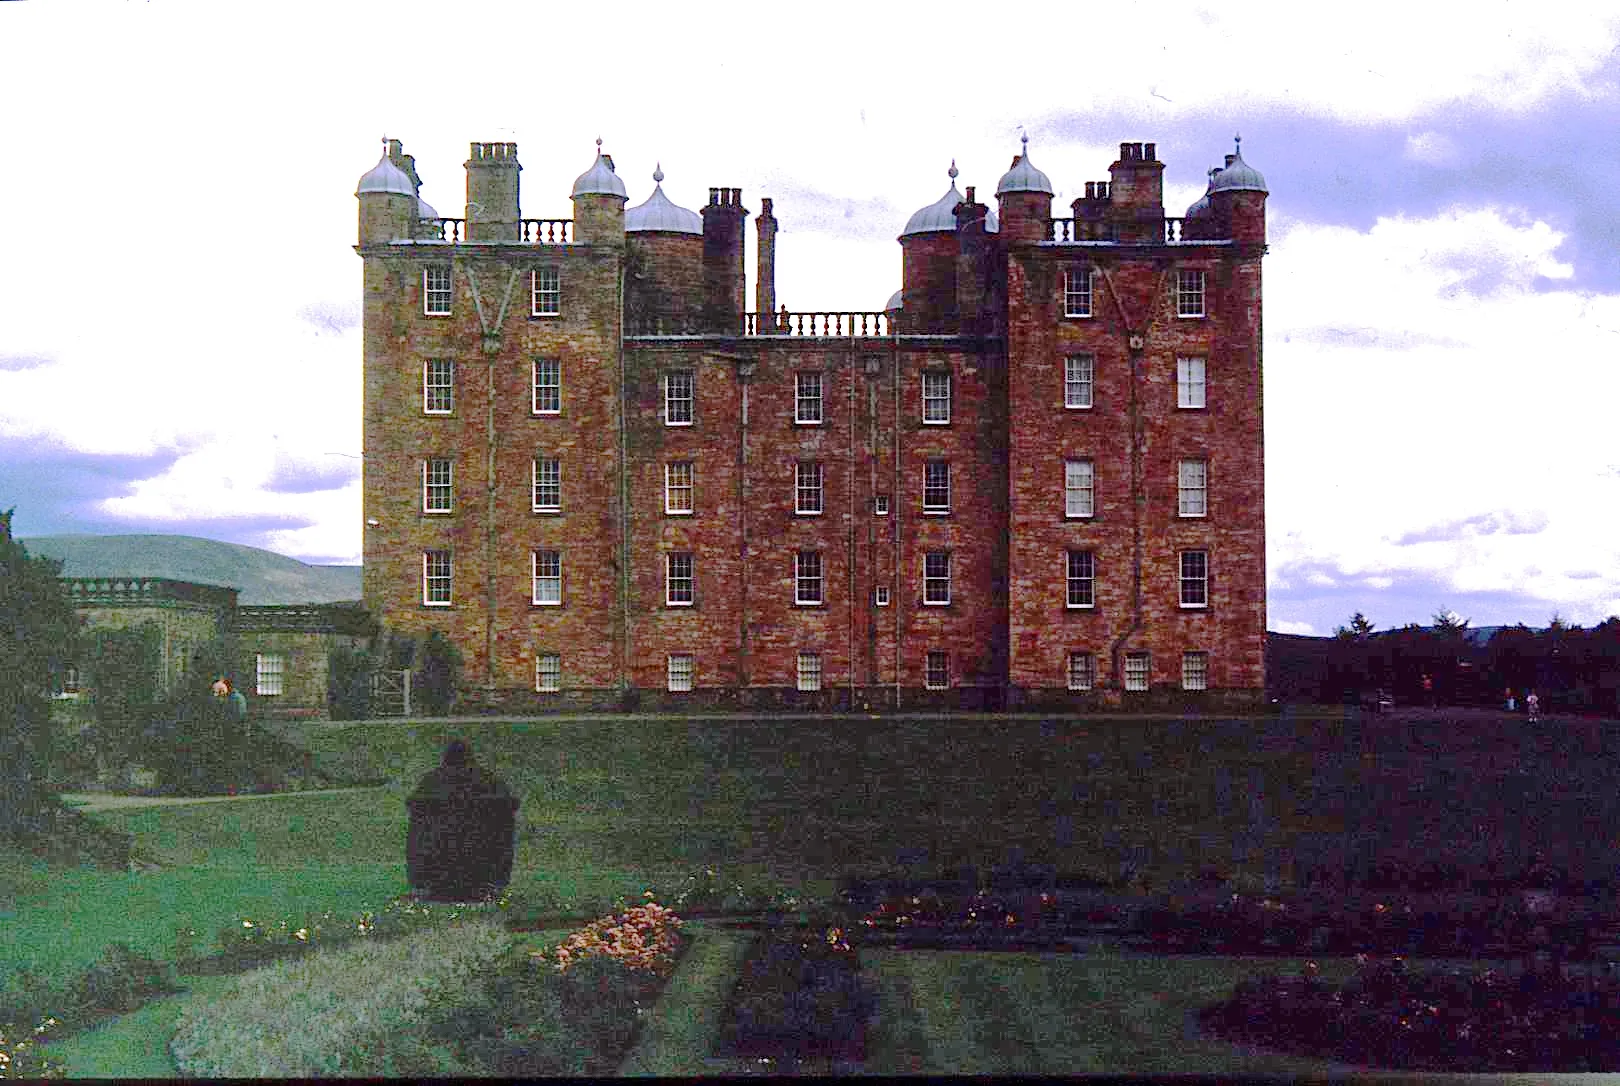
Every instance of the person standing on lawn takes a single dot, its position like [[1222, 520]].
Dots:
[[1532, 706]]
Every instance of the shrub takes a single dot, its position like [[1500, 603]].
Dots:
[[801, 995], [438, 674], [122, 979], [352, 1010], [21, 1055], [643, 938]]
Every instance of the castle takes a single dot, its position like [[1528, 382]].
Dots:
[[1034, 479]]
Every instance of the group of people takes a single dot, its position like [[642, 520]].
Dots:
[[1532, 705]]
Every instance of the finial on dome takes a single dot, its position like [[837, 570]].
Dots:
[[953, 172], [598, 144], [658, 174], [1025, 137], [1237, 140]]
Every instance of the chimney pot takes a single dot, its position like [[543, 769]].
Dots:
[[1150, 152]]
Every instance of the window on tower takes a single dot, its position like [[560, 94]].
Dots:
[[436, 292]]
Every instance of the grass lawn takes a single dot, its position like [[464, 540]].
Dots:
[[970, 1013]]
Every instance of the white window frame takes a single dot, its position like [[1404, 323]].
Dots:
[[1192, 390], [807, 398], [547, 568], [438, 486], [678, 492], [1079, 579], [880, 596], [1198, 580], [936, 495], [545, 478], [545, 292], [937, 579], [1079, 382], [269, 674], [680, 397], [680, 672], [880, 505], [809, 671], [1138, 672], [1190, 289], [1194, 670], [1081, 673], [680, 579], [438, 578], [547, 672], [937, 669], [547, 391], [1192, 487], [1078, 301], [808, 481], [1079, 488], [809, 579], [442, 389], [438, 294], [936, 394]]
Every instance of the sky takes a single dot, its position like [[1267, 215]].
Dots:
[[179, 304]]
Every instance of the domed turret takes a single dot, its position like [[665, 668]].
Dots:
[[1023, 177], [424, 210], [1238, 176], [939, 215], [1237, 198], [659, 214], [386, 177], [600, 180], [896, 300], [599, 203], [387, 201], [1024, 195]]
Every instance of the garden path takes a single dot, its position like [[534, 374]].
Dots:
[[106, 801]]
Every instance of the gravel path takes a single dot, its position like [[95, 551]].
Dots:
[[104, 801]]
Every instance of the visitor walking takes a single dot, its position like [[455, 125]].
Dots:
[[1532, 706]]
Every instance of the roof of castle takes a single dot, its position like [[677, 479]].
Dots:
[[1238, 175], [424, 210], [599, 180], [939, 215], [659, 213], [895, 300], [386, 177], [1024, 177]]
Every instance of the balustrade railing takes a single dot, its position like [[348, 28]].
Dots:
[[1092, 230], [829, 325], [546, 231], [444, 229]]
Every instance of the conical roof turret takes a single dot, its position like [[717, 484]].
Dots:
[[599, 180], [386, 177], [659, 213], [1024, 177]]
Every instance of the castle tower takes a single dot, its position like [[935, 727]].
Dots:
[[1237, 194], [388, 202], [724, 276], [1136, 194], [599, 199], [664, 245], [1024, 195], [492, 192], [928, 258]]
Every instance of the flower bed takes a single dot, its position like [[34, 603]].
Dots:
[[800, 997], [1391, 1016]]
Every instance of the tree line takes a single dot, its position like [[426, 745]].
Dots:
[[1570, 669]]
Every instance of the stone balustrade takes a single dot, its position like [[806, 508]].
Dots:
[[128, 591], [546, 231], [1073, 230], [827, 325], [452, 230]]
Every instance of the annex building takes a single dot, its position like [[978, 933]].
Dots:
[[1035, 477]]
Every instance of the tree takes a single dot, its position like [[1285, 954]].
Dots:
[[38, 642], [1359, 629], [1448, 623], [438, 674]]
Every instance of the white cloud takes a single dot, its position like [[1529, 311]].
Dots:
[[1303, 629]]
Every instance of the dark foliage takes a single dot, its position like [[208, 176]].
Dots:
[[38, 640], [438, 673], [801, 996], [1394, 1017], [349, 682]]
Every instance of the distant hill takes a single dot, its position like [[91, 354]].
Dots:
[[261, 576]]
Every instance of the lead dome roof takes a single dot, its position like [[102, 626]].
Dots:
[[1238, 175], [1024, 177], [386, 177], [599, 180], [659, 213]]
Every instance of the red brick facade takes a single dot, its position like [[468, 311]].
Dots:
[[821, 510]]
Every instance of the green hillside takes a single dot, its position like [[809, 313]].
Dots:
[[260, 576]]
